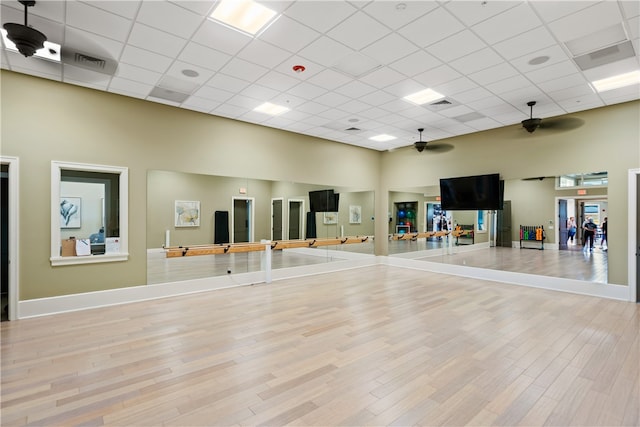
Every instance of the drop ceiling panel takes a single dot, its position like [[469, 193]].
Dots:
[[476, 53]]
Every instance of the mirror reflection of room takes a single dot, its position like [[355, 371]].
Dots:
[[544, 203], [233, 210]]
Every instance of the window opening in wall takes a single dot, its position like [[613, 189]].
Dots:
[[575, 180], [89, 213]]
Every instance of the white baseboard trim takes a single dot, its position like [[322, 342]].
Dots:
[[602, 290], [343, 261], [84, 301]]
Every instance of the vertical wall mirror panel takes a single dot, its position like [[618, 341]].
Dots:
[[196, 210]]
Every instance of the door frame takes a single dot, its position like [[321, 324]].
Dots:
[[633, 245], [14, 239], [557, 211], [301, 232], [281, 215], [252, 216]]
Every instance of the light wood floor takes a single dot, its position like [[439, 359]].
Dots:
[[569, 264], [370, 346]]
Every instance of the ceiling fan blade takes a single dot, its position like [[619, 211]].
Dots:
[[438, 147], [562, 124]]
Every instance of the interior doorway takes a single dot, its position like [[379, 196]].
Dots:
[[9, 172], [295, 219], [242, 220], [277, 207]]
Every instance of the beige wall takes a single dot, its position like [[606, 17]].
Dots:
[[607, 141], [44, 120]]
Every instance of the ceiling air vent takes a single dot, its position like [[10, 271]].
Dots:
[[352, 129], [440, 105], [89, 62], [605, 56]]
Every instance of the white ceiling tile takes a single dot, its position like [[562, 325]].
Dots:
[[563, 82], [570, 93], [554, 71], [331, 99], [373, 113], [307, 90], [472, 12], [169, 17], [311, 68], [145, 59], [277, 81], [468, 97], [325, 51], [376, 98], [244, 101], [288, 100], [213, 94], [350, 31], [510, 23], [508, 85], [456, 46], [121, 85], [227, 83], [263, 53], [355, 89], [197, 54], [329, 79], [390, 48], [200, 7], [244, 70], [581, 103], [634, 28], [228, 110], [354, 106], [41, 68], [453, 87], [602, 15], [477, 61], [395, 16], [553, 10], [320, 15], [404, 88], [382, 77], [176, 70], [200, 104], [436, 76], [493, 74], [416, 63], [137, 74], [279, 34], [156, 41], [432, 27], [97, 21], [127, 9], [312, 107], [219, 37], [555, 53], [525, 43], [609, 70]]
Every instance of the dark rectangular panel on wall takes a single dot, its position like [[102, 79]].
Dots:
[[221, 227], [311, 226]]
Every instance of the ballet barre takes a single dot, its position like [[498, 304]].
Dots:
[[230, 248]]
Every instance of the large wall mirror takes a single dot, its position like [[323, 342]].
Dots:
[[189, 210], [538, 202], [89, 213]]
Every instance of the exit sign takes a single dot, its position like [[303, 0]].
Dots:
[[582, 192]]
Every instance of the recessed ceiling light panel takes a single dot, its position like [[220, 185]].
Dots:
[[246, 15], [424, 96], [271, 109], [382, 138], [615, 82]]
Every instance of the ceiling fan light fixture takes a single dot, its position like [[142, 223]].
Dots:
[[531, 124], [26, 39]]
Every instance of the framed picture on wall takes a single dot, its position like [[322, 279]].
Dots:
[[187, 213], [70, 212], [355, 214], [330, 218]]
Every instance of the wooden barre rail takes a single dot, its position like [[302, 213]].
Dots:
[[418, 235], [229, 248]]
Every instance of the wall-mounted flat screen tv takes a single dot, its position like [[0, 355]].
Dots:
[[323, 201], [479, 192]]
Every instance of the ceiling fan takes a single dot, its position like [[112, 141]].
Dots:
[[30, 42], [562, 123], [425, 145]]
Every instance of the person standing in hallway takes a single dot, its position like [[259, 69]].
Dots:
[[589, 228], [571, 229], [603, 241]]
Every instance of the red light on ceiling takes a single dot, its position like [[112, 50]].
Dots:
[[298, 68]]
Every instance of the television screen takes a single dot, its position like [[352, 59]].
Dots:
[[479, 192], [323, 201]]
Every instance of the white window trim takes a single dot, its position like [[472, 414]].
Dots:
[[56, 173]]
